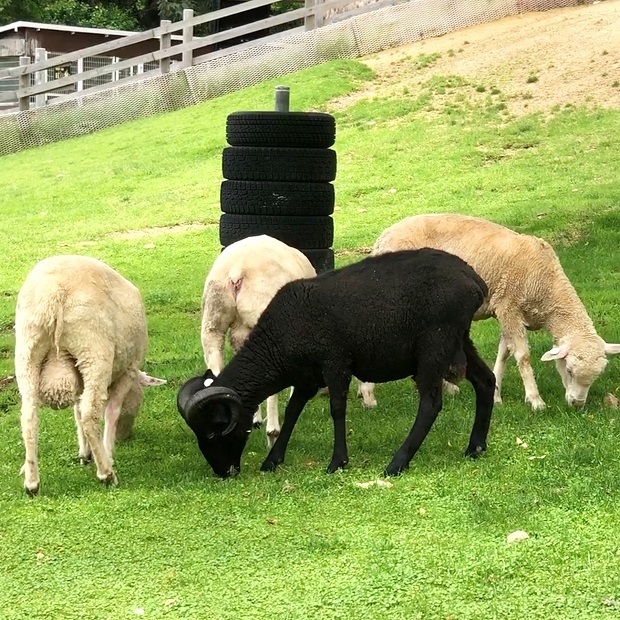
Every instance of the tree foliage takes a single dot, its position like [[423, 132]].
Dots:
[[115, 14]]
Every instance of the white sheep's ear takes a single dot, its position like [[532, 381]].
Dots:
[[557, 353], [149, 381], [612, 349]]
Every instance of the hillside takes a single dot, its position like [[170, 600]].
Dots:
[[568, 56]]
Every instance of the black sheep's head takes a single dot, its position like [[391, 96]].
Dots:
[[214, 414]]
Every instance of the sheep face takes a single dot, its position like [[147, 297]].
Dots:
[[214, 415], [132, 403], [223, 453], [579, 362]]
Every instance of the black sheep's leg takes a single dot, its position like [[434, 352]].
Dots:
[[296, 404], [428, 409], [483, 381], [338, 384]]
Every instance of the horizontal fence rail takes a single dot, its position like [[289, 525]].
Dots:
[[313, 15]]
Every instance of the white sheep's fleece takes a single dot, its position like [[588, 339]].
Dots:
[[242, 281], [81, 338], [528, 290]]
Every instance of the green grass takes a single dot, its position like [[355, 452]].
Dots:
[[173, 542]]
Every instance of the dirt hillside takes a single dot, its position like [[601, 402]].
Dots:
[[538, 60]]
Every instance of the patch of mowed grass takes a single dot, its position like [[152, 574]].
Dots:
[[173, 542]]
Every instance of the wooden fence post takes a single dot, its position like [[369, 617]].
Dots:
[[319, 15], [24, 82], [309, 21], [40, 77], [165, 41], [188, 35], [79, 85]]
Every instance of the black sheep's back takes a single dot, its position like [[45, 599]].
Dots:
[[378, 311]]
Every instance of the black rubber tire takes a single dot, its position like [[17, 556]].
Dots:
[[303, 233], [254, 163], [322, 260], [276, 198], [281, 129]]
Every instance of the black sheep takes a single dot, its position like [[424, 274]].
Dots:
[[384, 318]]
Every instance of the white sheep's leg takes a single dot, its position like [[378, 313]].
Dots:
[[273, 420], [218, 314], [503, 353], [257, 420], [366, 391], [30, 435], [119, 390], [92, 405], [28, 360], [84, 452], [214, 353], [516, 340]]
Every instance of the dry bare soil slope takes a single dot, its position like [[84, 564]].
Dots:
[[538, 60]]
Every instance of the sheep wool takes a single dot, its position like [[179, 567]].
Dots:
[[528, 290], [80, 339], [242, 281]]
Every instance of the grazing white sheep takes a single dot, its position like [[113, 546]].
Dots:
[[80, 339], [242, 281], [528, 290]]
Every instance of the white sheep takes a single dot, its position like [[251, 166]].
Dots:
[[80, 339], [528, 290], [242, 281]]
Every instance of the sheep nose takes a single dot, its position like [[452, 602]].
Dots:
[[575, 402]]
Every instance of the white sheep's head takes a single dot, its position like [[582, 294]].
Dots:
[[132, 403], [579, 361]]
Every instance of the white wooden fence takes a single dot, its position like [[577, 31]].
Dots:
[[315, 14]]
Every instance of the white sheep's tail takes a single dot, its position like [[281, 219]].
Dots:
[[58, 327], [52, 316]]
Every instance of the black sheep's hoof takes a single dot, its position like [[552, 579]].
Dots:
[[270, 465], [475, 451], [257, 424], [337, 464], [395, 468]]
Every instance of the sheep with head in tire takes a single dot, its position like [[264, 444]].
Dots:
[[241, 283], [320, 331]]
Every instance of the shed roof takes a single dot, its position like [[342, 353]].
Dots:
[[37, 26], [15, 26]]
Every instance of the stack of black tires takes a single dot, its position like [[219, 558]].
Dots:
[[278, 171]]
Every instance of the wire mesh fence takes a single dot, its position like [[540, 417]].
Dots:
[[362, 34]]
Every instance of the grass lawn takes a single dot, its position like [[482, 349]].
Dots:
[[172, 541]]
